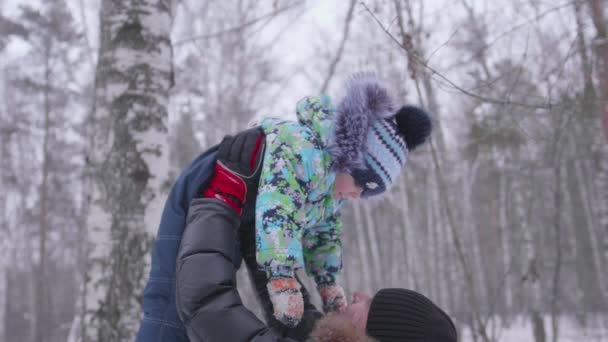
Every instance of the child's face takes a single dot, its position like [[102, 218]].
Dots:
[[345, 187]]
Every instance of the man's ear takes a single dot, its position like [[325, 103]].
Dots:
[[335, 327]]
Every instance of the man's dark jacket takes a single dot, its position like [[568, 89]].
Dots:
[[213, 241]]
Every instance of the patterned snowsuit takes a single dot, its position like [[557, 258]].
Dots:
[[297, 220]]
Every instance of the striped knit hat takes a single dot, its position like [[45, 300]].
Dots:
[[406, 315], [371, 140]]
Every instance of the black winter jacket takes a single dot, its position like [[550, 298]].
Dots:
[[209, 256], [207, 298]]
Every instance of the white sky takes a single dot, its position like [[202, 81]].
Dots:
[[319, 30]]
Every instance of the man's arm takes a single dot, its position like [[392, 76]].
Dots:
[[207, 299]]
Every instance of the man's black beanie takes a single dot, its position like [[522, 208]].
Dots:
[[406, 315]]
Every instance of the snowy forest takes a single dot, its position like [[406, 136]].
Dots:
[[501, 219]]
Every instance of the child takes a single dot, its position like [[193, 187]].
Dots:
[[285, 182], [309, 168]]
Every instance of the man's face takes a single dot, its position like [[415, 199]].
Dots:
[[358, 310]]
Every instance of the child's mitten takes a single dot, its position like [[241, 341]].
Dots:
[[286, 300], [333, 297]]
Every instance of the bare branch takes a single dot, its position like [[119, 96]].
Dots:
[[514, 28], [419, 60], [338, 56], [442, 45], [251, 22]]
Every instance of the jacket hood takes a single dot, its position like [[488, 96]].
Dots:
[[318, 114]]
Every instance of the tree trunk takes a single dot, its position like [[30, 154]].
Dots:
[[449, 267], [505, 282], [410, 270], [41, 310], [429, 222], [378, 273], [435, 244], [362, 254], [3, 299], [83, 17], [601, 47], [599, 175], [129, 161], [586, 69], [5, 245], [595, 243], [76, 331], [531, 280], [396, 255], [600, 105], [470, 228], [555, 293], [538, 327], [586, 262]]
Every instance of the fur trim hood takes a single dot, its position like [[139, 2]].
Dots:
[[335, 327], [343, 130], [366, 100]]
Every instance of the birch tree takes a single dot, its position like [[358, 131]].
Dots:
[[128, 161], [597, 10]]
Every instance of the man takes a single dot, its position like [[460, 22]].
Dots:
[[205, 291], [211, 308], [390, 315]]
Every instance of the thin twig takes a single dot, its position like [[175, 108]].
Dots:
[[441, 46], [237, 28], [338, 56], [524, 23], [433, 71]]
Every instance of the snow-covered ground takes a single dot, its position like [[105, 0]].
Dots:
[[570, 330]]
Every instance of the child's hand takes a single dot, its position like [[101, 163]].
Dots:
[[333, 297], [286, 300]]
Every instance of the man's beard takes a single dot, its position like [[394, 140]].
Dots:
[[335, 327]]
